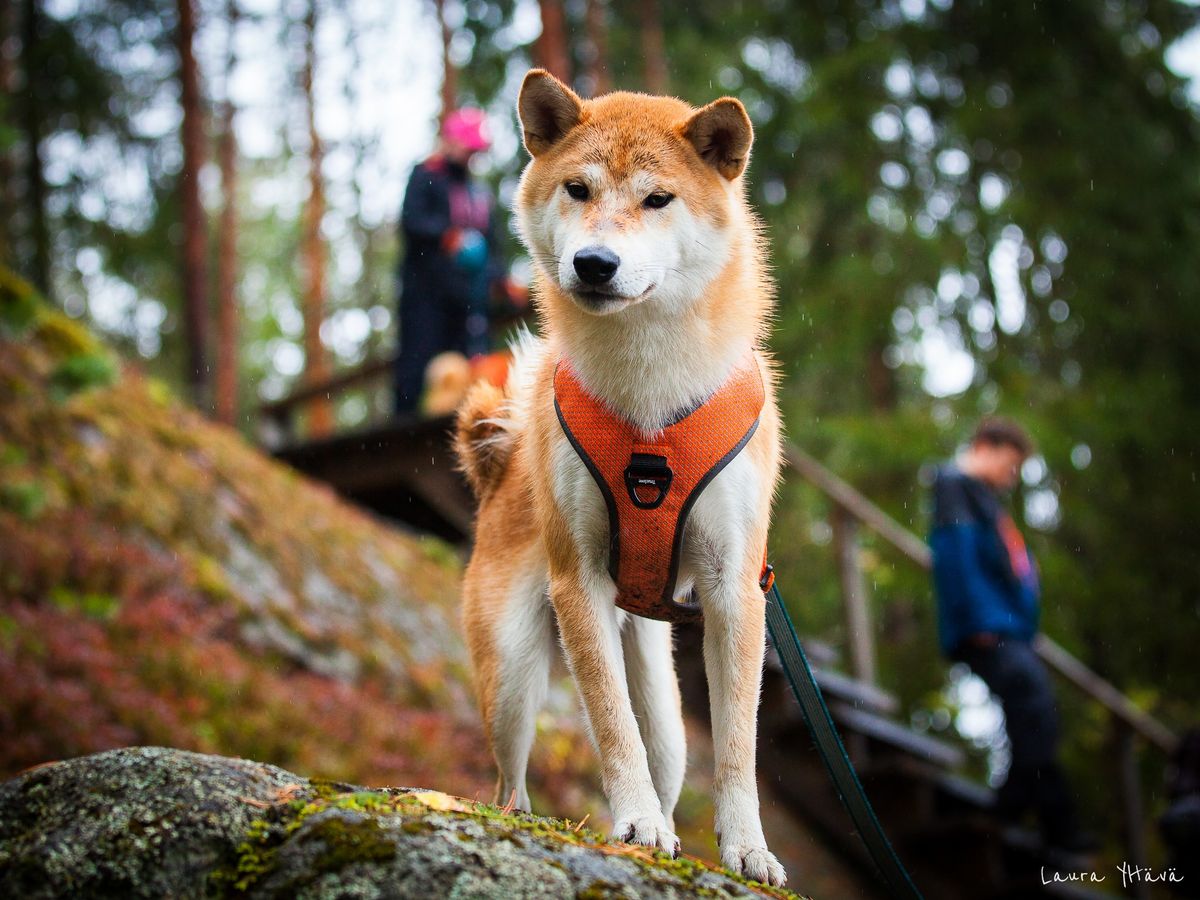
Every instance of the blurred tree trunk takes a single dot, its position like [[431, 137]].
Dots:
[[449, 72], [654, 51], [31, 111], [598, 78], [8, 89], [316, 367], [551, 50], [227, 258], [881, 380], [195, 237]]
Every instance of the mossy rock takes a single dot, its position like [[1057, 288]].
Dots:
[[153, 822]]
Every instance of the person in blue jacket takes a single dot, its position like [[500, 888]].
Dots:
[[988, 596], [450, 260]]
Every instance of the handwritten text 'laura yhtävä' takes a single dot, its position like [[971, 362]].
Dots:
[[1130, 875]]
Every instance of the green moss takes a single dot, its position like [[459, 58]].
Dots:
[[346, 842], [210, 578], [600, 890], [94, 606], [441, 553], [25, 498], [159, 392], [80, 372], [19, 304], [511, 838], [66, 338], [255, 859]]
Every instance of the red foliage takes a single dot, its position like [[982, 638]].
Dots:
[[166, 668]]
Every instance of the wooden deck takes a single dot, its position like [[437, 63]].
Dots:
[[402, 470]]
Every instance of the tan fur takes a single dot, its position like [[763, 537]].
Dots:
[[538, 542]]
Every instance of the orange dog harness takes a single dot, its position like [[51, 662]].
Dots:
[[650, 482]]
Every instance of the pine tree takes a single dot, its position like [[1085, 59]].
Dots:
[[316, 364], [195, 228]]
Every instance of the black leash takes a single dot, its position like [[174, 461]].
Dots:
[[841, 770]]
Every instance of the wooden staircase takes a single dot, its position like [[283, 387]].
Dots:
[[938, 821]]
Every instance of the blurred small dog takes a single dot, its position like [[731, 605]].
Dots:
[[447, 378], [450, 375]]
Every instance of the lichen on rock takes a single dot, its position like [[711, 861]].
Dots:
[[153, 822]]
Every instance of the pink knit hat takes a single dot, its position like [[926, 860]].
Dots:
[[467, 126]]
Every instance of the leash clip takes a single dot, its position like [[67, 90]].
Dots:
[[647, 472], [767, 579]]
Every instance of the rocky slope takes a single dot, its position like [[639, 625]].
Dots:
[[162, 582]]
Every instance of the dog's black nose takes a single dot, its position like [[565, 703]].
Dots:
[[596, 265]]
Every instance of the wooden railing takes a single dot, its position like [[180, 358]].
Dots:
[[851, 510], [277, 418]]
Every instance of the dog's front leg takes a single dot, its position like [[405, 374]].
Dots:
[[734, 642], [587, 619]]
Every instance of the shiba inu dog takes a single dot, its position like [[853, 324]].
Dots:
[[651, 286]]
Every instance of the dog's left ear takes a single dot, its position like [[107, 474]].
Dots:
[[722, 134]]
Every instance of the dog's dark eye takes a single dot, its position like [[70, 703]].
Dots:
[[659, 199], [577, 190]]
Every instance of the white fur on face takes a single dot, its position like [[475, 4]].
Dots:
[[667, 256]]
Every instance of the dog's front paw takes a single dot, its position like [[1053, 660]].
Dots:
[[649, 831], [756, 863]]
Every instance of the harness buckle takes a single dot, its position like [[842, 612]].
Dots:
[[647, 472]]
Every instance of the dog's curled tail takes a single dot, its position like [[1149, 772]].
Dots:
[[490, 418], [483, 437]]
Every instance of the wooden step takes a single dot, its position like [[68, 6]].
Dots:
[[956, 794], [955, 856], [859, 694], [894, 737]]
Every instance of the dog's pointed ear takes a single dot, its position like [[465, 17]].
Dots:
[[722, 134], [548, 109]]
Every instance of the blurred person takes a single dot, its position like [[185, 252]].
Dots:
[[988, 594], [450, 256], [1180, 823]]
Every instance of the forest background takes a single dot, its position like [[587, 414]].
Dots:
[[973, 207]]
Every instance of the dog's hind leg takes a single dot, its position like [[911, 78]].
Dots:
[[524, 636], [654, 693]]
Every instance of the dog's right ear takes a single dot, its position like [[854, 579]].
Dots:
[[548, 109]]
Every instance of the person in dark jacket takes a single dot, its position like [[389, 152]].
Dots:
[[450, 259], [1179, 825], [988, 593]]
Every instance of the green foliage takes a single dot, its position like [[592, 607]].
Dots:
[[82, 371], [94, 606], [19, 305], [25, 498], [81, 361]]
